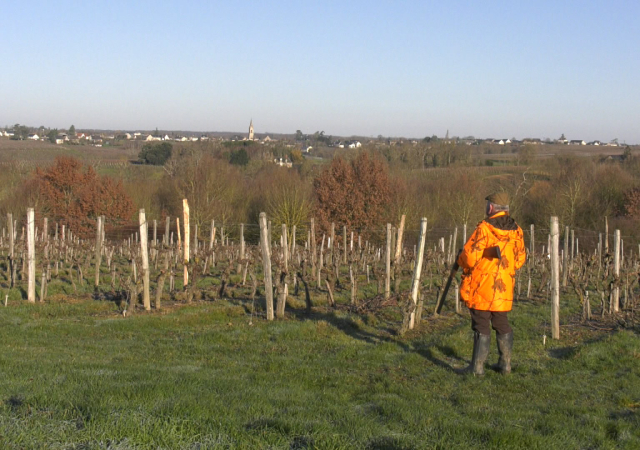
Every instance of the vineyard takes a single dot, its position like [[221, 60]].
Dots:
[[159, 335], [402, 269]]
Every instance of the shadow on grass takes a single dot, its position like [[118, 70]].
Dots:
[[15, 402], [118, 296], [265, 423], [441, 356], [564, 352], [429, 351], [570, 351]]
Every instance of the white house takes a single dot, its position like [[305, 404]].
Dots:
[[148, 137], [33, 137], [577, 142], [283, 163]]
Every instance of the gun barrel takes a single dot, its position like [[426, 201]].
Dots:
[[442, 298]]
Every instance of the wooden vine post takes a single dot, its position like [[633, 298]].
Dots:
[[454, 243], [398, 254], [606, 235], [12, 262], [195, 240], [212, 236], [464, 234], [565, 258], [144, 250], [242, 244], [332, 237], [600, 249], [344, 244], [417, 270], [282, 283], [155, 233], [167, 224], [532, 242], [185, 218], [615, 307], [292, 244], [31, 255], [99, 226], [555, 278], [387, 278], [266, 264], [313, 245], [45, 238], [179, 233]]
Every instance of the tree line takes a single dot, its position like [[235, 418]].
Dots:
[[357, 189]]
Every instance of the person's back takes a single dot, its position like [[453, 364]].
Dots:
[[489, 261], [489, 281]]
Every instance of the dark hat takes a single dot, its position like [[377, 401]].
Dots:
[[499, 198]]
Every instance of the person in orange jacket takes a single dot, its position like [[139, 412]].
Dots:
[[489, 261]]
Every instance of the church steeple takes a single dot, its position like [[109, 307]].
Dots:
[[251, 130]]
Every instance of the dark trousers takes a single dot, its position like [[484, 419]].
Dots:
[[483, 321]]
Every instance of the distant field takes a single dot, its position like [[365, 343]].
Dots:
[[37, 151], [43, 151], [112, 161], [505, 153]]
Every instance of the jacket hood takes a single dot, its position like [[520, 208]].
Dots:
[[503, 226]]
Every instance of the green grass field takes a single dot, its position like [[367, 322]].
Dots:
[[76, 374]]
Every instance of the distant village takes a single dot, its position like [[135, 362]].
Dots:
[[100, 138]]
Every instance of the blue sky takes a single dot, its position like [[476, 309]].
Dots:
[[402, 68]]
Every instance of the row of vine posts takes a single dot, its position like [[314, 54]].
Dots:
[[286, 265]]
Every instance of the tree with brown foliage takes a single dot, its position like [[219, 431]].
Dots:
[[214, 188], [355, 193], [632, 203], [76, 197]]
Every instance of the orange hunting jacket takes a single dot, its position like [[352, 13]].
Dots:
[[487, 282]]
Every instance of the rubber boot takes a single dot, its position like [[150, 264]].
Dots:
[[481, 344], [505, 345]]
